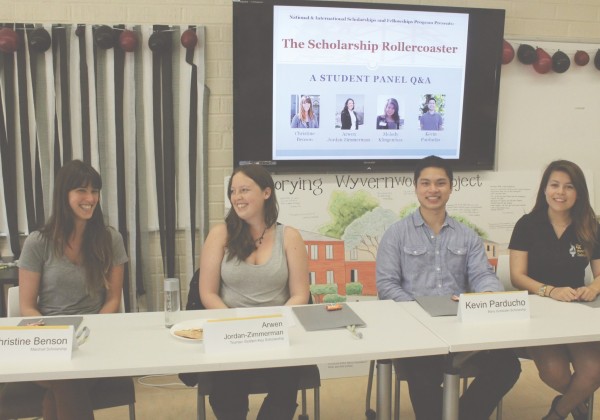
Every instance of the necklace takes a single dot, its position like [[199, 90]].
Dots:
[[259, 241]]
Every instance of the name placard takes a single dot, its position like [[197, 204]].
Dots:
[[36, 342], [482, 307], [246, 333]]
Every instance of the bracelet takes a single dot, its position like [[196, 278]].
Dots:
[[550, 292]]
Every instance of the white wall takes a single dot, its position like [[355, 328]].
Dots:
[[577, 21], [551, 116]]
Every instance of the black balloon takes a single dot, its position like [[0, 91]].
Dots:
[[39, 40], [526, 54], [160, 42], [560, 62], [105, 37], [80, 31], [597, 59]]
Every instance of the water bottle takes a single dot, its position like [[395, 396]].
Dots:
[[172, 301]]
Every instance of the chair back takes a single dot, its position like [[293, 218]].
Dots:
[[503, 272], [121, 309], [13, 307], [589, 276], [194, 302]]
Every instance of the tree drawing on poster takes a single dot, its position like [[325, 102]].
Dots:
[[365, 232], [344, 208]]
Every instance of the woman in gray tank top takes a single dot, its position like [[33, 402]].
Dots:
[[72, 265], [251, 260]]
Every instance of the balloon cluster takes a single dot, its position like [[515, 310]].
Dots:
[[105, 37], [39, 40], [542, 62], [159, 42]]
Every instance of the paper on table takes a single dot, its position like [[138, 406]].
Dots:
[[268, 310], [592, 304]]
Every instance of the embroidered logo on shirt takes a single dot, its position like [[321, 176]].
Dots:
[[576, 251]]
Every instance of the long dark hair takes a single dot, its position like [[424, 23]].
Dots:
[[304, 116], [582, 213], [240, 243], [346, 105], [396, 116], [96, 248]]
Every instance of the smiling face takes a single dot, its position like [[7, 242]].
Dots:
[[390, 109], [433, 188], [246, 197], [83, 202], [306, 105], [350, 104], [560, 192], [431, 105]]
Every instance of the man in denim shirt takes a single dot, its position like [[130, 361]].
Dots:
[[430, 253]]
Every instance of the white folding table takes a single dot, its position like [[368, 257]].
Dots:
[[139, 344], [551, 322]]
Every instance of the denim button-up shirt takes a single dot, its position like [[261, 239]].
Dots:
[[412, 261]]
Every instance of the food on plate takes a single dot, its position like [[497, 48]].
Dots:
[[191, 333], [335, 307]]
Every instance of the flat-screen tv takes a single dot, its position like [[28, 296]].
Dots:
[[328, 86]]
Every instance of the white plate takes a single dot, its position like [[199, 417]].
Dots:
[[186, 325]]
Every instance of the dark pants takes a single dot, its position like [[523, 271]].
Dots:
[[229, 397], [68, 399], [498, 370]]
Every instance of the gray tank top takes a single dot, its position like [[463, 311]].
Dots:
[[246, 285]]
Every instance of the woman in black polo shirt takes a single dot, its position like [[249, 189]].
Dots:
[[550, 249]]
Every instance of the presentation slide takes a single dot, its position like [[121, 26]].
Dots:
[[367, 83]]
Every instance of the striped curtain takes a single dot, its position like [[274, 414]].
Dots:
[[131, 101]]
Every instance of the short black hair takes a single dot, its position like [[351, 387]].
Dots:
[[433, 162]]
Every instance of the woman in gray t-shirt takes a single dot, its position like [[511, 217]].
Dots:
[[72, 265], [251, 260]]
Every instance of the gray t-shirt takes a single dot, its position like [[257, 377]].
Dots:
[[63, 287], [431, 122], [247, 285]]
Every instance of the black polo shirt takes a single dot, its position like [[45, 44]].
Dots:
[[550, 260]]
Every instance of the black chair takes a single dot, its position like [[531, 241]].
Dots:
[[310, 377], [466, 372], [503, 273], [24, 399], [522, 354]]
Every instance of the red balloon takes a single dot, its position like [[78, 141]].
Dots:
[[582, 58], [128, 40], [9, 41], [543, 64], [189, 39], [508, 52]]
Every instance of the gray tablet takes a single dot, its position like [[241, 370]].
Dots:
[[75, 321], [317, 317], [438, 305]]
